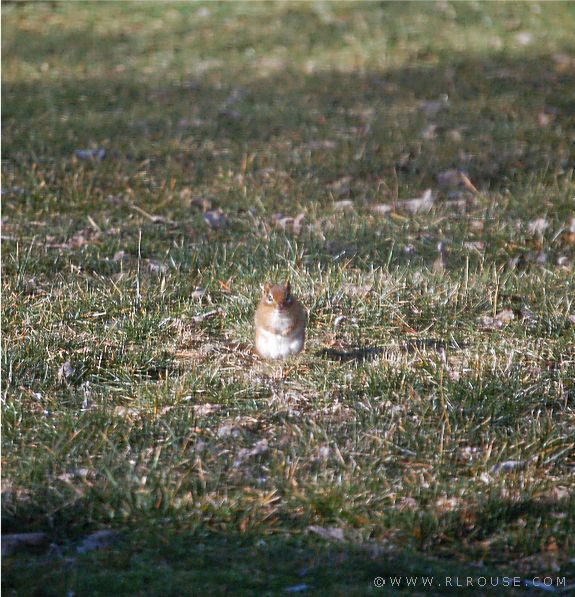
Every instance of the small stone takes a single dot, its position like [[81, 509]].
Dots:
[[66, 371]]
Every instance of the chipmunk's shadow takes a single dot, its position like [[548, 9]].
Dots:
[[361, 354]]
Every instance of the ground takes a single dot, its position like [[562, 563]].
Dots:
[[409, 167]]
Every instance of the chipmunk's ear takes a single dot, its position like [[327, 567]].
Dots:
[[267, 287]]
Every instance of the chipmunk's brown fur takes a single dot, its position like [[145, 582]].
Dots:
[[280, 323]]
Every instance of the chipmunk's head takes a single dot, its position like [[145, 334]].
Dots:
[[277, 296]]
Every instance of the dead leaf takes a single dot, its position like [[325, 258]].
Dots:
[[281, 221], [81, 238], [298, 223], [79, 473], [66, 371], [537, 227], [97, 540], [90, 154], [338, 320], [17, 191], [501, 319], [524, 38], [540, 257], [230, 114], [420, 204], [431, 108], [459, 205], [341, 187], [301, 588], [338, 249], [120, 256], [327, 533], [563, 62], [126, 411], [205, 316], [527, 315], [357, 289], [551, 545], [505, 316], [568, 236], [445, 504], [440, 263], [381, 209], [455, 135], [259, 448], [322, 144], [474, 245], [152, 217], [228, 431], [508, 466], [202, 410], [453, 179], [559, 493], [17, 541], [198, 293], [156, 266], [518, 262], [545, 119], [203, 203], [468, 453], [215, 218], [187, 123], [407, 503], [288, 223], [343, 205], [225, 286], [429, 132]]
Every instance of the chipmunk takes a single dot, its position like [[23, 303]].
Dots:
[[280, 323]]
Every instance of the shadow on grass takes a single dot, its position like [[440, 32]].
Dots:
[[361, 354], [291, 115], [163, 561]]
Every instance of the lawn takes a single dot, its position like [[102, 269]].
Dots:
[[409, 167]]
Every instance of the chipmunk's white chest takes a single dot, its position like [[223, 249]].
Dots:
[[278, 346], [279, 322], [274, 341]]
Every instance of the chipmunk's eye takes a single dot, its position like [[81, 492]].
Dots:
[[270, 298], [288, 300]]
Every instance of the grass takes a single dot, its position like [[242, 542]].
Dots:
[[422, 378]]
